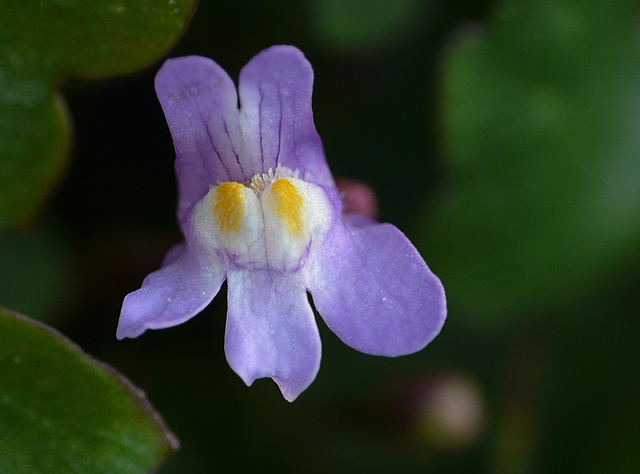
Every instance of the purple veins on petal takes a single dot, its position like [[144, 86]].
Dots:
[[258, 206], [271, 330], [200, 101], [275, 95]]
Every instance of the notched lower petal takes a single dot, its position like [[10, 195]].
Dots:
[[271, 331]]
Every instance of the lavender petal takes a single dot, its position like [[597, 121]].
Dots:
[[171, 295], [271, 331], [276, 117], [374, 290], [201, 107]]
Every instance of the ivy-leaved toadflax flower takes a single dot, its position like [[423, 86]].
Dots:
[[258, 207]]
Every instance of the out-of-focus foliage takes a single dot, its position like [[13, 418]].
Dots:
[[61, 411], [37, 272], [536, 234], [42, 42], [542, 137], [514, 121], [362, 26]]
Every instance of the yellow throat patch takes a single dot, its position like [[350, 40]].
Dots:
[[290, 206], [229, 206]]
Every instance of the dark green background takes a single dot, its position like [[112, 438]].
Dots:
[[501, 137]]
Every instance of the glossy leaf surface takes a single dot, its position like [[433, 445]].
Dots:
[[61, 411], [43, 42]]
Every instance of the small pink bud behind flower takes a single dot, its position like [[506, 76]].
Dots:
[[358, 197]]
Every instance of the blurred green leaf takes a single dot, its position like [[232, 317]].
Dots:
[[542, 131], [42, 42], [361, 26], [61, 411], [37, 276]]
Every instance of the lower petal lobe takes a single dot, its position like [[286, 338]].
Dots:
[[171, 295], [373, 289], [271, 331]]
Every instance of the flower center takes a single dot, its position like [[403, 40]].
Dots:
[[271, 221]]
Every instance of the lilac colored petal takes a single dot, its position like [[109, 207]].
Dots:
[[374, 290], [271, 331], [201, 107], [173, 254], [171, 295], [276, 116]]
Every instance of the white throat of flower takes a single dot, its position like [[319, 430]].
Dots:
[[272, 221], [260, 182]]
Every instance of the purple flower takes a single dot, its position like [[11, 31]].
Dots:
[[258, 207]]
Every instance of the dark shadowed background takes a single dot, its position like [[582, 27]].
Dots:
[[503, 137]]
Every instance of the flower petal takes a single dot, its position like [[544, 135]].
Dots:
[[271, 331], [201, 107], [276, 116], [373, 289], [173, 254], [171, 295]]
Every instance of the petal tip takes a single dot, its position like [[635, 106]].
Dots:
[[190, 75], [289, 392], [282, 64], [440, 315], [247, 378], [283, 50], [131, 331]]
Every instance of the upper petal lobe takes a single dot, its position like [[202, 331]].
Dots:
[[275, 93], [200, 104]]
